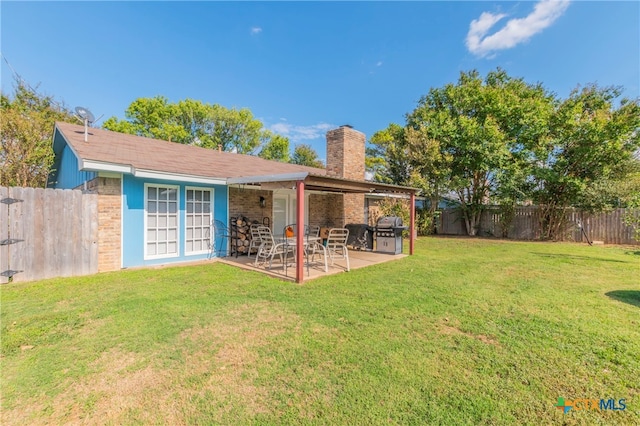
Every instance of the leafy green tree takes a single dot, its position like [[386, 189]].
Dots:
[[26, 125], [304, 155], [593, 138], [275, 147], [193, 122], [472, 138], [386, 156]]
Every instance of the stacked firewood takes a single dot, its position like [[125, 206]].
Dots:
[[240, 235]]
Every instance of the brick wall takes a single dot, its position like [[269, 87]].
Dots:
[[246, 202], [326, 210], [345, 153], [353, 208], [109, 222]]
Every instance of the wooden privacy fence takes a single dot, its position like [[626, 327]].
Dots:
[[46, 233], [607, 226]]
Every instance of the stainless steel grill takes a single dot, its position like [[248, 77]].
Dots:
[[389, 235]]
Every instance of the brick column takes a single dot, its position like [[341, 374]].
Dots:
[[109, 222]]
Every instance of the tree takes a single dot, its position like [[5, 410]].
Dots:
[[26, 123], [591, 146], [472, 138], [304, 155], [275, 147], [193, 122], [386, 157]]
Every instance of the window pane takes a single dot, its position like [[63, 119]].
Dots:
[[189, 194], [162, 207], [162, 221], [199, 195], [162, 235], [197, 233], [198, 221], [152, 207], [172, 234], [189, 221], [151, 249], [206, 208], [189, 246], [198, 208], [172, 248], [207, 196], [197, 245], [151, 221], [173, 194], [152, 193], [162, 248], [173, 207], [189, 233], [189, 207], [152, 235]]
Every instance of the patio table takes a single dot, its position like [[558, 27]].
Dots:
[[308, 241]]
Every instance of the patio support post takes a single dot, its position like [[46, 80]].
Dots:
[[300, 231], [412, 222]]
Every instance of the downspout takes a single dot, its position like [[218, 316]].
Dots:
[[300, 232]]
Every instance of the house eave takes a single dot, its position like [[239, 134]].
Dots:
[[99, 166], [268, 178]]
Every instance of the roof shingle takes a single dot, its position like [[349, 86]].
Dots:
[[170, 157]]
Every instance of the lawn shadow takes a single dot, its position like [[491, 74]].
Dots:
[[631, 297], [573, 256]]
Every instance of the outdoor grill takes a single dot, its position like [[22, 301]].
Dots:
[[389, 235]]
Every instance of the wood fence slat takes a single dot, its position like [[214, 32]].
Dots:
[[76, 223], [4, 234], [66, 239], [38, 241], [16, 231]]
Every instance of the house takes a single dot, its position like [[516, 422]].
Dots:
[[158, 199]]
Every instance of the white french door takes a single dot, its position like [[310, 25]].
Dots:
[[284, 210]]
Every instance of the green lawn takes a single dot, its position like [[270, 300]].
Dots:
[[467, 331]]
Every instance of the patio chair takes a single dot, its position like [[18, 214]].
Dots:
[[220, 239], [255, 239], [269, 248], [337, 245]]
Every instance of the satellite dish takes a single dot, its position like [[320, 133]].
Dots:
[[87, 117], [85, 114]]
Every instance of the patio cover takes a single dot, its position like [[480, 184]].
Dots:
[[308, 181]]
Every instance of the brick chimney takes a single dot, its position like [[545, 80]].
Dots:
[[345, 153], [345, 159]]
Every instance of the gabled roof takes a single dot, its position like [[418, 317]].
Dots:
[[152, 158], [112, 151]]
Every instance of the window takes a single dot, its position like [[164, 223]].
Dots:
[[199, 218], [161, 221]]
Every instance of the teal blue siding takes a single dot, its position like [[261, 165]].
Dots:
[[68, 175], [133, 213]]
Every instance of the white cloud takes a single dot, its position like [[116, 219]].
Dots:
[[379, 64], [515, 31], [301, 133], [256, 30]]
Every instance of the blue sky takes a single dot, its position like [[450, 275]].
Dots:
[[305, 67]]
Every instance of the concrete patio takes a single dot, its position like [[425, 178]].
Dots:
[[357, 259]]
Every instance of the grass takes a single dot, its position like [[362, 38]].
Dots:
[[467, 331]]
